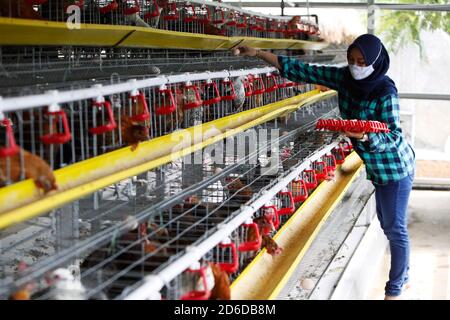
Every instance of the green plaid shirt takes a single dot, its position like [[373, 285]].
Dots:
[[387, 156]]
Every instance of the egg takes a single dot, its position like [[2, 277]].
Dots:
[[307, 284]]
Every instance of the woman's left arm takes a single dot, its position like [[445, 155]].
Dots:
[[385, 141]]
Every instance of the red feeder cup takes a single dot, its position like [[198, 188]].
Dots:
[[228, 87], [153, 11], [131, 7], [287, 203], [198, 294], [255, 244], [172, 12], [271, 83], [111, 124], [330, 160], [112, 6], [189, 13], [310, 178], [233, 266], [11, 147], [321, 170], [192, 96], [58, 137], [138, 99], [167, 103], [209, 86], [299, 191]]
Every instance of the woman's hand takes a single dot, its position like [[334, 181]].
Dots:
[[356, 135], [244, 51]]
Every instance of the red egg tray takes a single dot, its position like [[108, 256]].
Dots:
[[351, 125]]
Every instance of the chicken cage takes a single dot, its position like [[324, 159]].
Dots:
[[89, 140]]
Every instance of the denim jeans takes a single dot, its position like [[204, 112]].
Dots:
[[392, 204]]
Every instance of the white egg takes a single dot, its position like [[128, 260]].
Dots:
[[307, 284]]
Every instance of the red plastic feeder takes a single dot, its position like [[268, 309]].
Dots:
[[228, 87], [310, 178], [211, 86], [256, 24], [287, 203], [11, 147], [137, 98], [290, 84], [204, 15], [271, 81], [338, 155], [112, 6], [189, 13], [153, 9], [233, 266], [192, 96], [241, 20], [219, 15], [299, 191], [281, 27], [198, 294], [281, 82], [253, 245], [258, 86], [111, 124], [271, 212], [248, 86], [131, 7], [172, 12], [168, 104], [330, 160], [346, 146], [58, 137], [231, 18], [272, 25], [321, 170]]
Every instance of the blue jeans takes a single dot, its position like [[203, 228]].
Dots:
[[392, 204]]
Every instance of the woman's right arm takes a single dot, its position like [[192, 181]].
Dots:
[[296, 70]]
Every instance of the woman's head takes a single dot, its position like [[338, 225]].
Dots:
[[364, 56], [368, 62]]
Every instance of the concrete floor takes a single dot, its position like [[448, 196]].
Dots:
[[429, 229]]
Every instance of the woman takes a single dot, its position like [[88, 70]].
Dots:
[[365, 92]]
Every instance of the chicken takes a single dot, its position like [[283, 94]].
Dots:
[[239, 89], [221, 289], [25, 292], [243, 192], [265, 224], [271, 246], [133, 132], [64, 286], [18, 9], [35, 168]]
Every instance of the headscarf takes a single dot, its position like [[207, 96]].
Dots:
[[377, 84]]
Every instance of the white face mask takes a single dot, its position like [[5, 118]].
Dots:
[[359, 73]]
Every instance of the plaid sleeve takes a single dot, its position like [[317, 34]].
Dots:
[[390, 114], [296, 70]]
